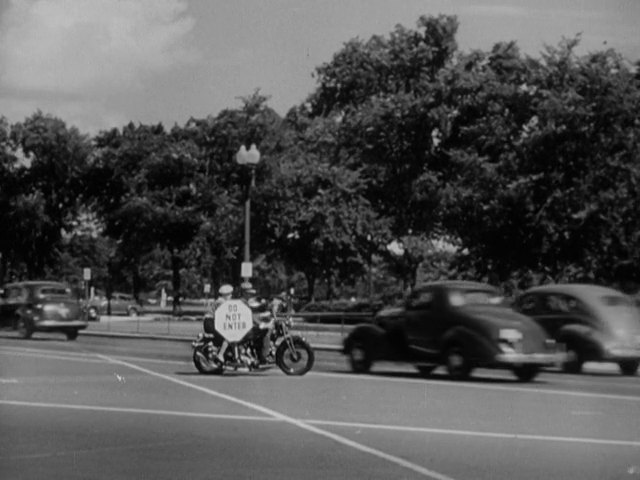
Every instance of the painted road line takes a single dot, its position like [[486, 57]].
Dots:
[[292, 421], [359, 425]]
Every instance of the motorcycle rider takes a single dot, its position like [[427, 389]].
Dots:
[[262, 323]]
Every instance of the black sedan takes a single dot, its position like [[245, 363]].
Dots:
[[459, 324], [41, 306], [595, 323]]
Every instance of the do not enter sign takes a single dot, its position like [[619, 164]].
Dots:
[[233, 320]]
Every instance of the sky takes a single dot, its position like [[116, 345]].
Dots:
[[99, 64]]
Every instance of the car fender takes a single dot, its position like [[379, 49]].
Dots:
[[372, 335], [582, 337], [475, 343]]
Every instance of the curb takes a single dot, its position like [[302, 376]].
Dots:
[[173, 338]]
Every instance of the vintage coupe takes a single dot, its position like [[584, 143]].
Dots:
[[595, 323], [459, 324], [41, 306]]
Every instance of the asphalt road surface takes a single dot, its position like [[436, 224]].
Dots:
[[115, 408]]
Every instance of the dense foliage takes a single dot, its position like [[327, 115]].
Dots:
[[487, 165]]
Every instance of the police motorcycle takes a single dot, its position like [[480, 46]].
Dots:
[[231, 340]]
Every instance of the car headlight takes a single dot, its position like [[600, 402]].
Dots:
[[510, 340], [510, 335]]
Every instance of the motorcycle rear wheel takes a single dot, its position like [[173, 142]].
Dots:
[[204, 365], [297, 361]]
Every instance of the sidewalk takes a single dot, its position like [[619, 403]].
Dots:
[[321, 337]]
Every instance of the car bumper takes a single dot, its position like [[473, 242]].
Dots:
[[56, 324], [530, 358], [622, 353]]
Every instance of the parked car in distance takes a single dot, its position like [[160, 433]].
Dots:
[[41, 306], [121, 304], [594, 323], [459, 324]]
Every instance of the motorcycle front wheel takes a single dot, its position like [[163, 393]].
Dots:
[[296, 361], [204, 365]]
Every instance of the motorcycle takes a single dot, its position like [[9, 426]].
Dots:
[[213, 352]]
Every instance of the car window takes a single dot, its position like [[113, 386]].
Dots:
[[53, 291], [556, 303], [529, 305], [421, 299], [16, 295], [458, 298]]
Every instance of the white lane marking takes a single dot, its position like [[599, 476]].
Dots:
[[95, 408], [479, 386], [292, 421], [471, 433], [372, 426], [8, 380], [55, 355]]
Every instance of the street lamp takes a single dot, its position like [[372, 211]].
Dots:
[[249, 158]]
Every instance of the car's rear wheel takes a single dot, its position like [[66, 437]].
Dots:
[[629, 367], [132, 311], [526, 373], [360, 357], [574, 361], [457, 362], [71, 334], [25, 328]]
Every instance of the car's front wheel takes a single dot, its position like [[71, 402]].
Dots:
[[25, 328], [71, 334], [629, 367], [360, 357], [457, 363], [526, 373], [574, 361]]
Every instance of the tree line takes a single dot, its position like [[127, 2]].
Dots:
[[489, 165]]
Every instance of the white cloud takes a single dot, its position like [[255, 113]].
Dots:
[[76, 46], [87, 50]]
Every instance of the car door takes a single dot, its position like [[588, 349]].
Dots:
[[15, 297], [556, 311], [421, 322]]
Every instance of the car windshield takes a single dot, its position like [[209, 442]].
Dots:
[[458, 298], [53, 291]]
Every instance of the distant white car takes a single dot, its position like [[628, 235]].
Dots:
[[121, 304]]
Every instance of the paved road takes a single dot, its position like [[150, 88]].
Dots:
[[109, 408]]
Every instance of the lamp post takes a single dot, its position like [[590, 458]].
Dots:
[[250, 158], [369, 260]]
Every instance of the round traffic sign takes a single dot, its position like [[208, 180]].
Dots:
[[233, 320]]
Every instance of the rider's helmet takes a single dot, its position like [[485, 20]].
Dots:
[[225, 290]]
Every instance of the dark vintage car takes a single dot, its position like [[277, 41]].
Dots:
[[461, 325], [41, 306], [594, 323]]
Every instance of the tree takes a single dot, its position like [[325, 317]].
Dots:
[[43, 165]]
